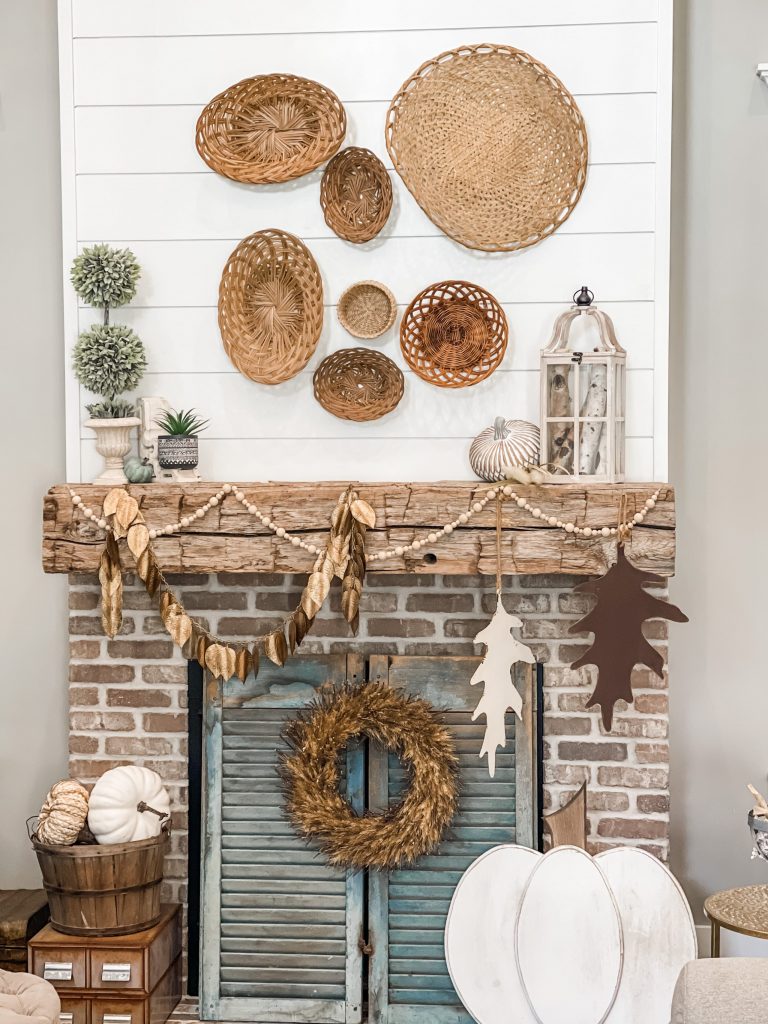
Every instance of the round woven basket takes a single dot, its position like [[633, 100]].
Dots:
[[367, 309], [454, 334], [356, 195], [270, 128], [358, 384], [270, 306], [491, 145]]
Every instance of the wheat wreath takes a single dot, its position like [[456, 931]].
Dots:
[[404, 725]]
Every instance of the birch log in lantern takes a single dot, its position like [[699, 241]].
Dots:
[[583, 397]]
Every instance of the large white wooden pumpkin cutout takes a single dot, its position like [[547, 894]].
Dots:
[[659, 934], [480, 935], [568, 939]]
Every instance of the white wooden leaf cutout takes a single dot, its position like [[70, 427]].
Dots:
[[495, 672]]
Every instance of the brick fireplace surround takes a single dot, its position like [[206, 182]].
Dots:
[[128, 695]]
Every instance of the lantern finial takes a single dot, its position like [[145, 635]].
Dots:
[[583, 297]]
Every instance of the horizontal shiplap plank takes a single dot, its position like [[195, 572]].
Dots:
[[161, 139], [617, 267], [238, 408], [195, 17], [158, 206], [182, 340], [351, 459], [365, 66]]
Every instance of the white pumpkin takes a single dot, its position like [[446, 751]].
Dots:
[[506, 443], [128, 804]]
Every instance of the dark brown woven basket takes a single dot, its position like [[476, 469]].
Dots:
[[270, 128], [270, 306], [356, 195], [358, 384], [454, 334]]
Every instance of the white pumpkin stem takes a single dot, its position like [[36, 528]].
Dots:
[[500, 428], [141, 806]]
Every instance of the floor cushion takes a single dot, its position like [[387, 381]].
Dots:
[[27, 999], [731, 990]]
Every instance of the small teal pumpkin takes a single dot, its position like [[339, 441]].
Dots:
[[138, 471]]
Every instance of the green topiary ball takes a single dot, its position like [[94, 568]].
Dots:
[[103, 276], [109, 359]]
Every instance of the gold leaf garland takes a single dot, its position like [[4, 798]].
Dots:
[[343, 558]]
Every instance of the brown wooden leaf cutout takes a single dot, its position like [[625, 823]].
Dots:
[[616, 620]]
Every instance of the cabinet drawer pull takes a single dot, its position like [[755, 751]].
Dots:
[[116, 1018], [57, 972], [116, 972], [66, 1018]]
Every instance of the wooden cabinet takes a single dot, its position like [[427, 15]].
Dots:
[[125, 979]]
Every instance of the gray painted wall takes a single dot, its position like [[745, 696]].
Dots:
[[719, 404], [718, 410], [33, 679]]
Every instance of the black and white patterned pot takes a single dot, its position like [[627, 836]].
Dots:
[[175, 452]]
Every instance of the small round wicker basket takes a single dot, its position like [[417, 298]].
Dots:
[[358, 384], [367, 309], [270, 128], [270, 306], [356, 194], [454, 334]]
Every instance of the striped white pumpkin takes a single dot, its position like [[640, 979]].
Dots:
[[506, 443]]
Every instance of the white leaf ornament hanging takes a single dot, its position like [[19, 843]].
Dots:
[[495, 672]]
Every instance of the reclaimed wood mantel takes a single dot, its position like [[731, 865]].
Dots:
[[228, 539]]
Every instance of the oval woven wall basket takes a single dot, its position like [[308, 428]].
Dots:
[[367, 309], [270, 128], [358, 384], [356, 195], [491, 145], [454, 334], [270, 306]]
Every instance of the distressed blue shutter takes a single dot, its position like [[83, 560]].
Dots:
[[280, 929], [408, 976]]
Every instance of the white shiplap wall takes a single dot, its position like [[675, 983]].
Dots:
[[134, 77]]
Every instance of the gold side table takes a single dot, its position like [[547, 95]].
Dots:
[[743, 910]]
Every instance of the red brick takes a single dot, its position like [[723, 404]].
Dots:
[[439, 602], [644, 679], [393, 579], [652, 753], [545, 629], [574, 604], [557, 676], [142, 698], [464, 628], [653, 803], [93, 768], [83, 744], [649, 728], [517, 604], [656, 629], [90, 625], [84, 649], [633, 778], [159, 674], [158, 722], [572, 701], [83, 696], [140, 649], [251, 580], [138, 600], [651, 703], [325, 626], [188, 579], [605, 800], [97, 673], [83, 579], [633, 828], [371, 601], [231, 625], [138, 746], [579, 751], [276, 600], [110, 721], [551, 581], [83, 600], [215, 600], [568, 653], [567, 774], [557, 725], [436, 650], [397, 627]]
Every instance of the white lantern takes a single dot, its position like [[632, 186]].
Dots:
[[583, 397]]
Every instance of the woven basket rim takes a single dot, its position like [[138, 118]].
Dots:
[[349, 324], [334, 404], [80, 850], [475, 238]]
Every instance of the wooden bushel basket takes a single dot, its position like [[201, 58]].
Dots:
[[103, 890]]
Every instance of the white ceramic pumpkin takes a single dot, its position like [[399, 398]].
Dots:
[[506, 443], [128, 804]]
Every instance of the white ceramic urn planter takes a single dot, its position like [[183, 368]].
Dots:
[[113, 442], [565, 937]]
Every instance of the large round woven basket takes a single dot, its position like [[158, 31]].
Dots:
[[367, 309], [270, 128], [454, 334], [358, 384], [356, 194], [491, 145], [270, 306]]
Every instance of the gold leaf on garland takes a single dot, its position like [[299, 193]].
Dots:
[[138, 540], [203, 643], [110, 501], [276, 648], [144, 564], [179, 625], [290, 631], [363, 513], [111, 579], [255, 659], [167, 600], [242, 663], [220, 661], [153, 580], [127, 509], [301, 623]]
